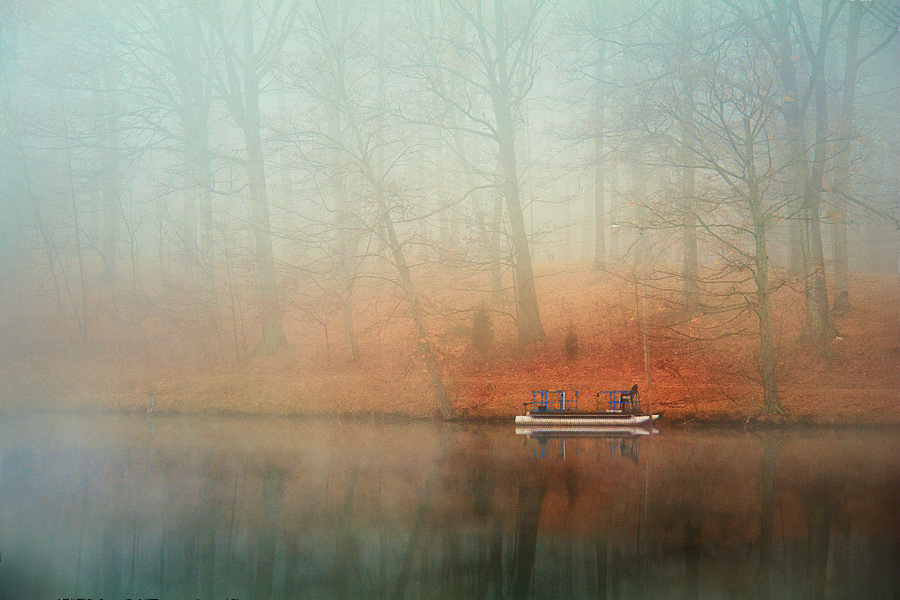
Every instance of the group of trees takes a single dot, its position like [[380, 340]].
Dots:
[[286, 141]]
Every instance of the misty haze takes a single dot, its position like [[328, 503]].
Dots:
[[277, 276]]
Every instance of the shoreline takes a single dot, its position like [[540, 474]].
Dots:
[[776, 423]]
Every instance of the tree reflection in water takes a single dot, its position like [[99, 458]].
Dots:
[[244, 508]]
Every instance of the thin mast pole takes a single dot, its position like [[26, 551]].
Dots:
[[644, 269]]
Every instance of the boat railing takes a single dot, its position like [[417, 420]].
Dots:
[[620, 400], [567, 400], [552, 400]]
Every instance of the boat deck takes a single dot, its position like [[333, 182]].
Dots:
[[560, 408], [580, 414]]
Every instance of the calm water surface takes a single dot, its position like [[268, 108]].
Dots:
[[116, 507]]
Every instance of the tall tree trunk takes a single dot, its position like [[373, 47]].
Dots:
[[425, 348], [203, 182], [528, 318], [180, 31], [345, 245], [690, 289], [808, 180], [615, 206], [796, 138], [272, 333], [567, 199], [842, 169], [284, 163], [599, 166], [51, 254], [498, 243], [110, 179], [240, 88], [189, 195], [587, 225], [767, 364], [76, 222], [199, 233], [440, 184], [46, 237], [375, 179], [819, 328], [444, 107]]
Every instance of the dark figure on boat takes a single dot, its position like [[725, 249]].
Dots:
[[628, 400]]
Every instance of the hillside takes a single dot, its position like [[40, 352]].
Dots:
[[702, 369]]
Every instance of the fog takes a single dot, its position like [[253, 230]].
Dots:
[[242, 508], [205, 182]]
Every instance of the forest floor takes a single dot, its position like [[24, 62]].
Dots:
[[703, 368]]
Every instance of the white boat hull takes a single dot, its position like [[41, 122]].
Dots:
[[528, 420], [611, 431]]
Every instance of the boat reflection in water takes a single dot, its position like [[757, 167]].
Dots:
[[268, 508], [552, 440]]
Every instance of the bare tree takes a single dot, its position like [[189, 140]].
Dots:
[[435, 39], [502, 43], [109, 160], [736, 134], [808, 161], [686, 31], [171, 50], [819, 327], [599, 162], [733, 140], [330, 33], [840, 189], [248, 62]]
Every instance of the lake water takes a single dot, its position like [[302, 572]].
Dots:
[[116, 507]]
